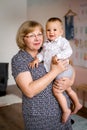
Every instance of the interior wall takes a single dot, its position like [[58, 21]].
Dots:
[[81, 75], [12, 14], [41, 10]]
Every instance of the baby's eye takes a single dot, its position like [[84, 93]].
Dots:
[[55, 29]]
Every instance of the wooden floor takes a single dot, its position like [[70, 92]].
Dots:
[[11, 116]]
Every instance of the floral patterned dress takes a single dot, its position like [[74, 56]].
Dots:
[[42, 112]]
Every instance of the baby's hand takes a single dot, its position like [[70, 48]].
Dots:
[[55, 59], [34, 63]]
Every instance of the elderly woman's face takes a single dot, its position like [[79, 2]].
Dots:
[[34, 40]]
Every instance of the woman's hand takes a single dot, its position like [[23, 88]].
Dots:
[[62, 84], [60, 66]]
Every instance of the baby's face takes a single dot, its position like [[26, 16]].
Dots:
[[53, 30]]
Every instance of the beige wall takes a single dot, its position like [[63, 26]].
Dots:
[[12, 14], [81, 75]]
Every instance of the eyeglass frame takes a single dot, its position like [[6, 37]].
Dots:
[[34, 35]]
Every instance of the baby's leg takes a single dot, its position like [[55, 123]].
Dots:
[[73, 96], [63, 104]]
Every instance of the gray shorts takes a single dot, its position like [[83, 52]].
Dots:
[[68, 73]]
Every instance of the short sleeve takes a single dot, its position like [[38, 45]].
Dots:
[[18, 65]]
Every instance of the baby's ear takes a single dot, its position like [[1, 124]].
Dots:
[[62, 32]]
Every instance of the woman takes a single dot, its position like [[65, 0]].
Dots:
[[40, 108]]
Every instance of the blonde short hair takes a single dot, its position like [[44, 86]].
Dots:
[[24, 29]]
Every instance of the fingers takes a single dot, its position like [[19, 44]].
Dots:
[[57, 89], [33, 65], [63, 64], [59, 85], [67, 60]]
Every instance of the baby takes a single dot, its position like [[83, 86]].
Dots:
[[58, 47]]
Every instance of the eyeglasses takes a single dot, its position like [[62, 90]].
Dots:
[[34, 35]]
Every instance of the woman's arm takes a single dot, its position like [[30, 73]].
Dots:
[[31, 88]]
